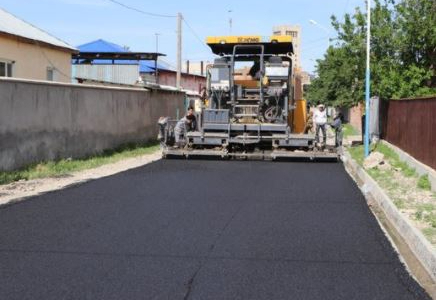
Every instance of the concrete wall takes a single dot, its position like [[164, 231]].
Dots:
[[45, 121], [32, 60]]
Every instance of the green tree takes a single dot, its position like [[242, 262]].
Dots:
[[340, 80], [384, 50], [403, 54], [416, 22], [338, 72]]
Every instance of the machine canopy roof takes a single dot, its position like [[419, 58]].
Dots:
[[273, 45]]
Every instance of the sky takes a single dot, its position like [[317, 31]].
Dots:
[[81, 21]]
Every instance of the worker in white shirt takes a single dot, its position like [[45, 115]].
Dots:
[[320, 120]]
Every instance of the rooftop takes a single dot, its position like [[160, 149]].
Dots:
[[103, 52], [12, 25]]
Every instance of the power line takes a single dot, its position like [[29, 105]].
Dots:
[[53, 66], [312, 45], [316, 41], [179, 16], [162, 16], [168, 63], [141, 11], [195, 34]]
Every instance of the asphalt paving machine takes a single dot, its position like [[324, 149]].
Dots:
[[249, 109]]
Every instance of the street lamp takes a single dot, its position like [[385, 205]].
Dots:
[[368, 77], [230, 20], [315, 23]]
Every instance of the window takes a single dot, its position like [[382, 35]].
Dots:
[[277, 33], [50, 74], [6, 68], [292, 33]]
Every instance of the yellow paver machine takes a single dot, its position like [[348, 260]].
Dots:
[[249, 109]]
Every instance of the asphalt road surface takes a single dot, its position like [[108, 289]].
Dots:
[[180, 229]]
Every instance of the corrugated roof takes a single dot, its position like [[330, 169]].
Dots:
[[13, 25], [100, 45], [146, 66]]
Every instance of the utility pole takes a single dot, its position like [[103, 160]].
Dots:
[[155, 62], [368, 77], [179, 50], [230, 21]]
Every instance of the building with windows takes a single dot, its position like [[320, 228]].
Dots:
[[295, 32], [31, 53]]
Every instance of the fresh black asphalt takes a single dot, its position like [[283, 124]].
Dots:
[[179, 229]]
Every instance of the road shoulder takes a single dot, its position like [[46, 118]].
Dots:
[[417, 253], [19, 190]]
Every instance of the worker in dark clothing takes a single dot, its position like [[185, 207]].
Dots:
[[337, 126], [203, 95], [193, 125], [255, 70], [185, 124]]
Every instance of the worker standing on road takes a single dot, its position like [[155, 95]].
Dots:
[[320, 118], [337, 126]]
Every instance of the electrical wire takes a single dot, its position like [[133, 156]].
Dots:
[[168, 63], [162, 16], [316, 41], [50, 62], [141, 11], [312, 47], [195, 34]]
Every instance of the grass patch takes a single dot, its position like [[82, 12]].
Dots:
[[431, 219], [430, 234], [395, 161], [348, 130], [357, 153], [424, 183], [399, 203], [377, 174], [426, 212], [66, 166], [383, 177]]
